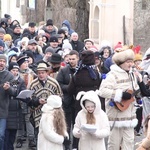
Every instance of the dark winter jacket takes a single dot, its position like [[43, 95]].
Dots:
[[5, 76], [77, 45], [83, 82], [14, 120], [63, 78], [27, 33]]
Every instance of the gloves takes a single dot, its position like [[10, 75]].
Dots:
[[126, 96], [66, 141], [26, 100]]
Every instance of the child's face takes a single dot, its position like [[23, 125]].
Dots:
[[89, 106]]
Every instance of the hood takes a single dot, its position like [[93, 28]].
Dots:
[[91, 96], [116, 68], [67, 23]]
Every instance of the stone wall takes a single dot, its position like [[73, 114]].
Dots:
[[142, 24]]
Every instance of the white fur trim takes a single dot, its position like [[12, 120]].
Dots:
[[118, 95], [127, 123], [79, 95]]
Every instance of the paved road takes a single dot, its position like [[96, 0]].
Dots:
[[25, 145]]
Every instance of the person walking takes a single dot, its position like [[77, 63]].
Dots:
[[118, 88], [52, 129]]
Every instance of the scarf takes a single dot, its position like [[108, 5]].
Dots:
[[90, 68]]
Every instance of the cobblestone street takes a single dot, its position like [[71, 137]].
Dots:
[[25, 144]]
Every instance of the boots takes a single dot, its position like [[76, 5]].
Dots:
[[19, 143], [32, 143]]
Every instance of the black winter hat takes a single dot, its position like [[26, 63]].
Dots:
[[29, 53], [13, 65], [88, 57], [49, 22], [53, 39], [15, 26], [21, 59], [7, 16], [61, 31], [32, 24]]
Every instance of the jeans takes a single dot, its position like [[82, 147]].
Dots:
[[10, 136], [2, 132]]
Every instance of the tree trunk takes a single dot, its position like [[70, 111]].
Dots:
[[82, 23]]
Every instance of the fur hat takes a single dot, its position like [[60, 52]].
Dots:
[[53, 101], [88, 57], [122, 56]]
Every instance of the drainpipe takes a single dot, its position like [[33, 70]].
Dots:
[[124, 30]]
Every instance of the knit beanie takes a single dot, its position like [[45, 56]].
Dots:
[[49, 49], [3, 56], [88, 57], [53, 101], [21, 59], [13, 65], [7, 37]]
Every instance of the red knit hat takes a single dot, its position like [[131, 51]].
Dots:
[[118, 46]]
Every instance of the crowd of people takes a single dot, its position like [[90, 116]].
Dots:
[[82, 94]]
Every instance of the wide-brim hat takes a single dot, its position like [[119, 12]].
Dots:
[[55, 58], [42, 66], [123, 55]]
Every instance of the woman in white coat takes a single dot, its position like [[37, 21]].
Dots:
[[52, 129], [91, 124]]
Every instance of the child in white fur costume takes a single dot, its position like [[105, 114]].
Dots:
[[96, 121]]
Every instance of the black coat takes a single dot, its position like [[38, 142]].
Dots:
[[15, 118], [83, 82], [63, 78], [77, 45]]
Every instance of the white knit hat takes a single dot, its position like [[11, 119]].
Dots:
[[53, 101]]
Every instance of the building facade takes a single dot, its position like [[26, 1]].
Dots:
[[111, 20]]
